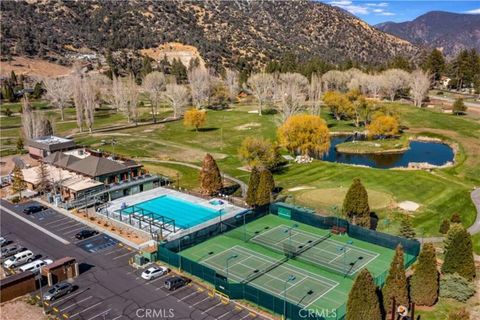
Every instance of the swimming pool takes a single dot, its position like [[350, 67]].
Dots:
[[185, 213]]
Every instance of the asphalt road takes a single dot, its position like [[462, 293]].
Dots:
[[108, 288]]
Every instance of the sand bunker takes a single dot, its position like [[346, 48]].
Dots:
[[409, 206]]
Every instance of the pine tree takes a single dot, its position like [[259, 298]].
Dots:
[[13, 78], [210, 178], [435, 64], [459, 253], [424, 282], [37, 91], [18, 184], [456, 218], [251, 199], [396, 283], [363, 299], [265, 187], [445, 226], [406, 228], [355, 205], [42, 173]]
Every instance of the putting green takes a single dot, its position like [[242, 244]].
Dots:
[[324, 198]]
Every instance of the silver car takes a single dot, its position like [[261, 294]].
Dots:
[[10, 251], [57, 291]]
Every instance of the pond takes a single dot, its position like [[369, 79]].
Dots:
[[431, 152]]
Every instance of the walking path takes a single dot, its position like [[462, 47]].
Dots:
[[242, 184]]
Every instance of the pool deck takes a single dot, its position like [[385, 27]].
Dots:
[[228, 209]]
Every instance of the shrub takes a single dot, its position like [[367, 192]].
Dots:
[[459, 314], [445, 226], [456, 218], [454, 286]]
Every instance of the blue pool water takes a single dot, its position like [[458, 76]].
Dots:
[[186, 214]]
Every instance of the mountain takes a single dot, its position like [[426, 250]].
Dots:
[[224, 32], [451, 32]]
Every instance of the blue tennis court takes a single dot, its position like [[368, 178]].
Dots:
[[186, 214]]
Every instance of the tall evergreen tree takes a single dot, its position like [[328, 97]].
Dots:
[[37, 90], [355, 204], [406, 228], [42, 173], [265, 187], [253, 182], [459, 253], [210, 177], [424, 282], [435, 64], [13, 78], [396, 283], [363, 300], [18, 184]]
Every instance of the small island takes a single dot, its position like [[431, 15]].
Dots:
[[383, 146]]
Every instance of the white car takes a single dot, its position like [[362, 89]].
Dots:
[[154, 272], [35, 266]]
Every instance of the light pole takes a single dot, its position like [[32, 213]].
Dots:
[[245, 226], [228, 260], [289, 279], [289, 231], [180, 249]]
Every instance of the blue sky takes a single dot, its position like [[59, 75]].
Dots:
[[375, 12]]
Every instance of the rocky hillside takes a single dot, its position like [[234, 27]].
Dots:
[[451, 32], [225, 32]]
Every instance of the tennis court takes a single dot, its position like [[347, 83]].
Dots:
[[297, 285], [342, 258]]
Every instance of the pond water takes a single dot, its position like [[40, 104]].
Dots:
[[431, 152]]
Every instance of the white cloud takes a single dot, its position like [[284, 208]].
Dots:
[[350, 7], [387, 14], [381, 4], [377, 10], [474, 11]]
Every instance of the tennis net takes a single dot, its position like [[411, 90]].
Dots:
[[259, 273]]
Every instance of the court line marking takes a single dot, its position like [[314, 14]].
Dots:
[[317, 278], [373, 255]]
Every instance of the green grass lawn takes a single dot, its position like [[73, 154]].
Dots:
[[440, 193]]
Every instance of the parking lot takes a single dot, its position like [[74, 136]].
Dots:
[[108, 287]]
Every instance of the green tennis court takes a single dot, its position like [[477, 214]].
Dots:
[[274, 276], [339, 257]]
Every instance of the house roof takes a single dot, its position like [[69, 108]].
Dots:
[[93, 166], [60, 159]]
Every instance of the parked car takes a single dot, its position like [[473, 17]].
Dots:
[[57, 291], [19, 259], [86, 233], [34, 208], [154, 272], [173, 283], [9, 251], [35, 266], [3, 241]]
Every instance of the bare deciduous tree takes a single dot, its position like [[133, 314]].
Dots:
[[89, 99], [315, 92], [373, 83], [394, 80], [131, 90], [419, 85], [78, 100], [261, 85], [154, 84], [58, 92], [335, 80], [200, 84], [231, 82], [178, 97], [291, 93], [27, 119]]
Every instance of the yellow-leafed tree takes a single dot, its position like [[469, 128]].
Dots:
[[384, 125], [195, 118], [305, 134]]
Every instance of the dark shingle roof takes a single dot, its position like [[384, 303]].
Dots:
[[93, 166]]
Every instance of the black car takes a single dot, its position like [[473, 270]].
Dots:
[[173, 283], [33, 209], [86, 233]]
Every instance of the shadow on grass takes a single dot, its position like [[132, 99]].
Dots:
[[207, 129]]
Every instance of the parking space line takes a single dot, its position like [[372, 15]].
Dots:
[[186, 297], [56, 221], [63, 223], [118, 317], [74, 230], [212, 307], [68, 296], [73, 225], [34, 225], [224, 315], [101, 313], [154, 280], [113, 251], [178, 290], [91, 307], [76, 303], [123, 255], [193, 305]]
